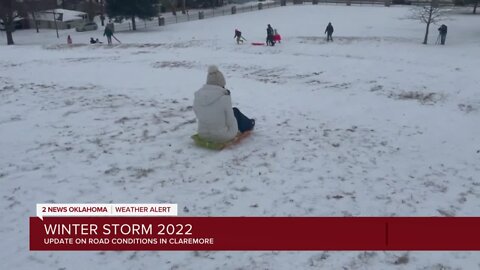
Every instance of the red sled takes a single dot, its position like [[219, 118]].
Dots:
[[258, 43]]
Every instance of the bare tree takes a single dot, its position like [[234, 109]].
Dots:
[[10, 10], [174, 4], [33, 6], [431, 13], [474, 3], [143, 9], [93, 8], [70, 4], [32, 9], [102, 12]]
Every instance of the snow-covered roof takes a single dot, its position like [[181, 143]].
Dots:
[[16, 19], [67, 15]]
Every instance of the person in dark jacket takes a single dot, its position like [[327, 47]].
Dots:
[[329, 32], [109, 33], [238, 36], [95, 41], [443, 33], [270, 40]]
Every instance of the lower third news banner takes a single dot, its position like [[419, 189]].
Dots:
[[254, 233]]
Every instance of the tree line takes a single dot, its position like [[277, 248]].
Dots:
[[11, 10]]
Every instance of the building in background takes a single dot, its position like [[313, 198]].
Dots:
[[65, 19]]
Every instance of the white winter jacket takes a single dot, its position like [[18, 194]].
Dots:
[[213, 108]]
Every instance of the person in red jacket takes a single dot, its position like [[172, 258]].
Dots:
[[276, 36]]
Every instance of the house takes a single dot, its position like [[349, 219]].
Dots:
[[64, 18]]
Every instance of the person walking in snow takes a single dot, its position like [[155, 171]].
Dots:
[[238, 36], [217, 120], [69, 40], [270, 40], [109, 33], [442, 31], [329, 32]]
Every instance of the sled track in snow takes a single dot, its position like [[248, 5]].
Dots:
[[182, 44], [349, 40]]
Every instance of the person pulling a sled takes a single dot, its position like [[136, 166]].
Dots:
[[238, 36], [270, 41], [217, 120], [109, 33]]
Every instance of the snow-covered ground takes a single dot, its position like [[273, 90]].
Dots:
[[373, 124]]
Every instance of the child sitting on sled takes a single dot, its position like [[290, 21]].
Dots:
[[217, 121]]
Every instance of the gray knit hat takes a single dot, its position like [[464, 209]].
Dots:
[[215, 77]]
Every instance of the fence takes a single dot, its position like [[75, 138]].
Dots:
[[168, 18], [373, 2]]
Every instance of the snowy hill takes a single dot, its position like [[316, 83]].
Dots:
[[373, 124]]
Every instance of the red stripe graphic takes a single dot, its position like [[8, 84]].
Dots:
[[255, 233]]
